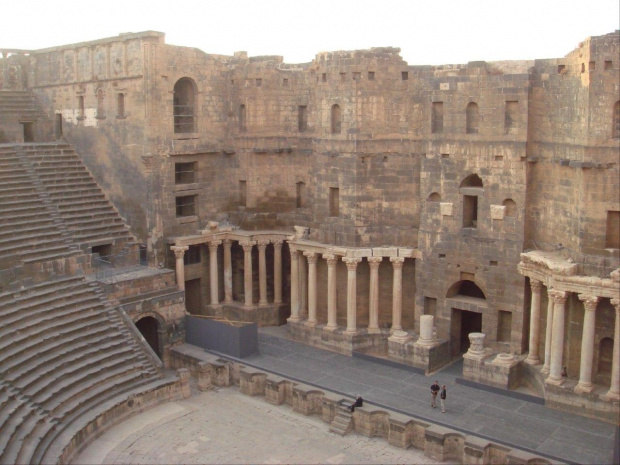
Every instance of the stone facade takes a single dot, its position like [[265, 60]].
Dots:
[[456, 170]]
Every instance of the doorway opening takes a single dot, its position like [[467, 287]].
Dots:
[[28, 131], [148, 328], [193, 300], [463, 322]]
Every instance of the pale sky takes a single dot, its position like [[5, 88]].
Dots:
[[430, 32]]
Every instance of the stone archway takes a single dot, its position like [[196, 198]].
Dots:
[[149, 328], [468, 303]]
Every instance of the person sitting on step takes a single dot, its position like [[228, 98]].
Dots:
[[358, 403]]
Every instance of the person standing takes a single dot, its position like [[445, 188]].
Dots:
[[434, 391], [442, 398]]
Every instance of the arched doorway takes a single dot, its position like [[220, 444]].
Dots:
[[183, 105], [468, 303], [148, 327]]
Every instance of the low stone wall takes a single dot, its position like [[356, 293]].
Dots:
[[438, 443]]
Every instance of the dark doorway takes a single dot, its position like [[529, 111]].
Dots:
[[58, 126], [28, 132], [463, 322], [148, 328], [193, 301]]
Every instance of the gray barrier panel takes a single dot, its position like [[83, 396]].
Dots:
[[210, 334]]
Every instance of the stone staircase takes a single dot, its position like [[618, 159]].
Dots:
[[65, 354], [343, 421], [22, 103]]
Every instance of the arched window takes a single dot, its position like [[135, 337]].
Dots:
[[616, 122], [242, 119], [120, 104], [465, 288], [473, 118], [473, 180], [605, 355], [434, 197], [511, 207], [183, 106], [336, 119], [100, 110]]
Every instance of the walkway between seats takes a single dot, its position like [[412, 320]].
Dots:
[[520, 423]]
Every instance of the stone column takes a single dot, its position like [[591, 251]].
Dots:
[[351, 263], [332, 262], [373, 317], [587, 344], [397, 293], [548, 332], [312, 259], [294, 286], [227, 271], [277, 272], [557, 337], [247, 272], [179, 253], [533, 358], [303, 288], [614, 388], [213, 272], [262, 273], [427, 335]]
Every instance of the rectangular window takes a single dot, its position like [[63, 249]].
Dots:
[[302, 118], [512, 116], [357, 76], [404, 75], [243, 193], [81, 110], [608, 65], [504, 326], [343, 77], [301, 194], [324, 77], [430, 306], [184, 173], [470, 211], [612, 240], [437, 118], [371, 75], [334, 201], [285, 82], [185, 205], [192, 256], [259, 82], [120, 105]]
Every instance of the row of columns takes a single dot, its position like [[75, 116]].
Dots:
[[554, 339], [179, 252], [302, 285]]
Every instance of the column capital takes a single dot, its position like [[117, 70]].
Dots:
[[214, 244], [331, 259], [311, 256], [351, 262], [227, 242], [397, 262], [247, 244], [263, 243], [536, 286], [179, 250], [294, 255], [374, 261], [559, 297], [589, 301], [277, 243]]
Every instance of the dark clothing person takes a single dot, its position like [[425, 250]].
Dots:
[[442, 398], [358, 403], [434, 391]]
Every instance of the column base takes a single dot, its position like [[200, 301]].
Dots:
[[374, 330], [351, 331], [311, 324], [330, 328], [263, 304], [555, 381], [395, 328], [611, 396], [584, 388], [293, 319], [532, 360], [217, 305], [545, 370]]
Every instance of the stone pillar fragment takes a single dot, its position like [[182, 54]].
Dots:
[[548, 333], [262, 273], [227, 271], [277, 272], [587, 344], [312, 259], [397, 293], [373, 316], [179, 253], [213, 272], [303, 288], [294, 286], [614, 389], [351, 293], [533, 358], [247, 272], [332, 262], [557, 337]]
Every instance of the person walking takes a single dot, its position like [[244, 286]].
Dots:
[[434, 391], [442, 398]]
